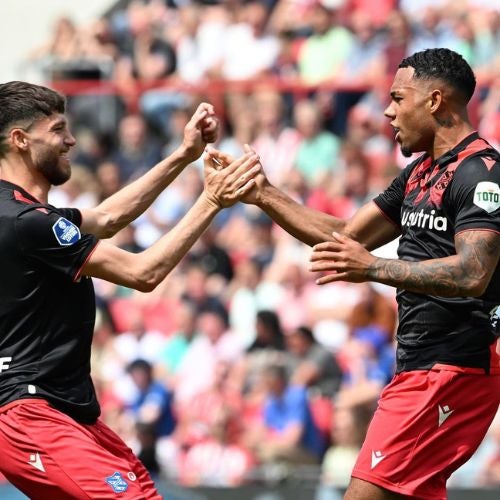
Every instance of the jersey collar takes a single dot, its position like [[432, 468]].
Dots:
[[14, 187], [452, 153]]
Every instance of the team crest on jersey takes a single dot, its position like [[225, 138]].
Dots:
[[66, 232], [117, 482], [487, 196]]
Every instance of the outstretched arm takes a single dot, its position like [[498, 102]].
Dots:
[[126, 205], [368, 226], [466, 274], [144, 271]]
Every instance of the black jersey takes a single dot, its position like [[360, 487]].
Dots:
[[431, 202], [47, 310]]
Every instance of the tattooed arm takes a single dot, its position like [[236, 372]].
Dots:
[[466, 274]]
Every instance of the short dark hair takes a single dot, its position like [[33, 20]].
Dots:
[[445, 65], [23, 101]]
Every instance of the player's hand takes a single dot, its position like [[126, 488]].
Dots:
[[225, 160], [202, 128], [344, 258], [225, 185]]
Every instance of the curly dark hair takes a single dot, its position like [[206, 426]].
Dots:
[[445, 65], [23, 103]]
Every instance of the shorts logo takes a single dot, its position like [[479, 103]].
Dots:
[[377, 457], [117, 482], [487, 196], [444, 413], [66, 232]]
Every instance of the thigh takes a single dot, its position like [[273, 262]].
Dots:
[[427, 424], [363, 490], [46, 454]]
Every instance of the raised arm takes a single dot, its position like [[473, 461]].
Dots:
[[144, 271], [367, 226], [465, 274], [130, 202]]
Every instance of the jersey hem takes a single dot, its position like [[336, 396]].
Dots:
[[396, 488]]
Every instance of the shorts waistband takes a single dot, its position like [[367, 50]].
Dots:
[[458, 369], [18, 402]]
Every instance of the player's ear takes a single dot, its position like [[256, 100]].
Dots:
[[19, 139], [435, 101]]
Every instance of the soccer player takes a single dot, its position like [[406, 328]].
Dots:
[[53, 444], [445, 206]]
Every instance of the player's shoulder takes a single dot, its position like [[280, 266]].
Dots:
[[482, 165], [39, 220]]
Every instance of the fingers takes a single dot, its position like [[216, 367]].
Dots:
[[241, 164], [210, 129], [245, 188], [248, 149], [330, 278], [248, 175], [322, 266], [325, 251], [204, 110], [221, 159]]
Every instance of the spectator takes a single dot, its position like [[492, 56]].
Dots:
[[136, 151], [289, 433], [322, 55], [318, 148], [276, 142], [314, 366], [171, 355], [213, 344], [348, 431], [151, 411], [249, 50]]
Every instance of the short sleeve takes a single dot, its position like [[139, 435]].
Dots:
[[391, 200], [51, 238], [474, 194]]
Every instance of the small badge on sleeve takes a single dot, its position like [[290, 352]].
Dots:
[[487, 196], [117, 482], [66, 232]]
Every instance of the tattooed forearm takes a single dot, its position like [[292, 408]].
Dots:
[[429, 277], [465, 274]]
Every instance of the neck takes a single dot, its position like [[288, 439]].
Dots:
[[447, 137], [17, 172]]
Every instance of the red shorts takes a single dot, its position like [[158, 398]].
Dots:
[[427, 424], [46, 454]]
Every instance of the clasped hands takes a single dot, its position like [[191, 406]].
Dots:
[[228, 180]]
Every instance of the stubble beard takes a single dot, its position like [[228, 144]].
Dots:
[[51, 166], [406, 152]]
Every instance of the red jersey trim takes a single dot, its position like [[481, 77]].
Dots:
[[477, 229], [77, 275], [387, 217], [20, 197]]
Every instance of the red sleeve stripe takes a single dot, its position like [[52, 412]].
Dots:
[[386, 216], [77, 275]]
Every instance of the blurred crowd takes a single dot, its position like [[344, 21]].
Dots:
[[238, 366]]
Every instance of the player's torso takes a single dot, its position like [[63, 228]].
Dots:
[[46, 320], [437, 329]]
